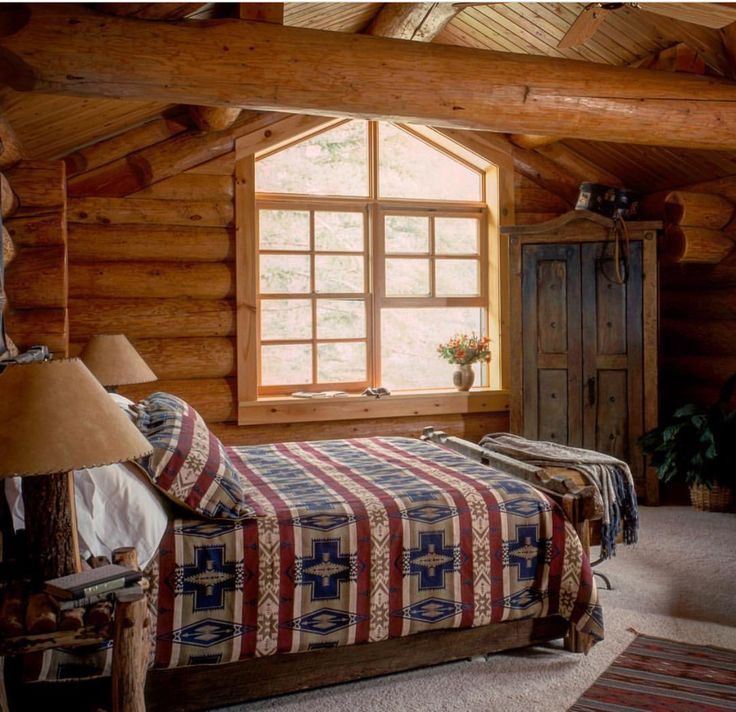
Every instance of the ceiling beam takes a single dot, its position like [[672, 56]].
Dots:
[[76, 51], [679, 58], [421, 21], [154, 10]]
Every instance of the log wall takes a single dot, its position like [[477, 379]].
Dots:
[[36, 279], [698, 321]]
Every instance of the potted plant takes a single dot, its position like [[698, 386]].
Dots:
[[698, 446], [463, 351]]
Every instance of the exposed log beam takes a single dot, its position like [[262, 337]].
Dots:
[[420, 22], [708, 14], [76, 51], [219, 118], [680, 58]]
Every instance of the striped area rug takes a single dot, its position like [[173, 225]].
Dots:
[[659, 675]]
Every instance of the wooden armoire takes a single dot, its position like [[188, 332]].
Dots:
[[584, 342]]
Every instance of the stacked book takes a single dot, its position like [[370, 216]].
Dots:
[[92, 586]]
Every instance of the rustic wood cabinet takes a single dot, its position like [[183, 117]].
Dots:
[[584, 346]]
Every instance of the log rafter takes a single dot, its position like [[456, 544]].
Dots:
[[284, 68]]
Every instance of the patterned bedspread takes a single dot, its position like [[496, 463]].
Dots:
[[362, 540]]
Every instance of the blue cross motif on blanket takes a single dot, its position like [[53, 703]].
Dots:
[[525, 551], [325, 569], [208, 578], [431, 560]]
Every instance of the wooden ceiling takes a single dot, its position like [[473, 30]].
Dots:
[[52, 126]]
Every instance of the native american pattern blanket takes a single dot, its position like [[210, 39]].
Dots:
[[363, 540]]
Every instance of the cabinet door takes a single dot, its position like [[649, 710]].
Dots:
[[612, 354], [551, 343]]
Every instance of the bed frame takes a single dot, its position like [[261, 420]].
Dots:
[[202, 687]]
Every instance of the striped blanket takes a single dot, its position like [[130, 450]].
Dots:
[[359, 541]]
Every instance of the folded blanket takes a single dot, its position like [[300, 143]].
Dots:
[[610, 476]]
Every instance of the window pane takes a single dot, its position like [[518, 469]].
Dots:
[[284, 229], [338, 231], [338, 273], [340, 319], [410, 168], [456, 236], [332, 163], [407, 234], [456, 278], [407, 278], [409, 340], [284, 273], [341, 362], [286, 364], [286, 319]]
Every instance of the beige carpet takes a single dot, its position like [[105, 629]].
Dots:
[[679, 582]]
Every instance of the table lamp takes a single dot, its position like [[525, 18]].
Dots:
[[56, 417], [114, 362]]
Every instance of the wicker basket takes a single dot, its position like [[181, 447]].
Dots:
[[715, 499]]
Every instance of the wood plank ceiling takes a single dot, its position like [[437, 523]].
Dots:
[[52, 126]]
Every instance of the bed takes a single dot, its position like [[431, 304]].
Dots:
[[355, 558]]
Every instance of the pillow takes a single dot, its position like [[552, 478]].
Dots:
[[116, 507], [189, 463]]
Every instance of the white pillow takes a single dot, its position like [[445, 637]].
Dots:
[[116, 506]]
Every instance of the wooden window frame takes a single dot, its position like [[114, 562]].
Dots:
[[272, 403]]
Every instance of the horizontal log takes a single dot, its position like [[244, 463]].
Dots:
[[102, 152], [702, 245], [165, 159], [72, 619], [184, 358], [104, 211], [701, 369], [702, 209], [524, 218], [76, 51], [198, 280], [531, 198], [715, 304], [11, 150], [37, 278], [190, 187], [39, 230], [125, 243], [471, 426], [29, 327], [8, 199], [40, 186], [151, 318], [723, 186], [698, 337], [213, 398], [699, 276], [286, 129]]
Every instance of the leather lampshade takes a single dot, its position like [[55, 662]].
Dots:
[[55, 417], [114, 362]]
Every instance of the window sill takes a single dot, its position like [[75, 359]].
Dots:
[[298, 410]]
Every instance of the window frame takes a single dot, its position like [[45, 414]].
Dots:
[[496, 208]]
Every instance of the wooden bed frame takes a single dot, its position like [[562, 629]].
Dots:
[[201, 687]]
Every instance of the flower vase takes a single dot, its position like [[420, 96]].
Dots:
[[463, 376]]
